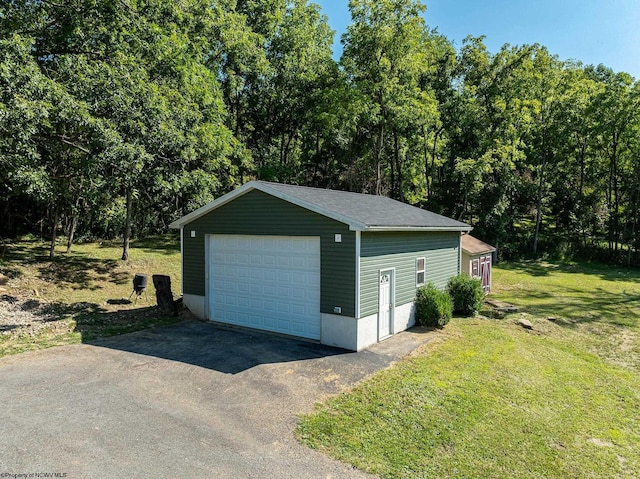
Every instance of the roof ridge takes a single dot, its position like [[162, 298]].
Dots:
[[324, 189]]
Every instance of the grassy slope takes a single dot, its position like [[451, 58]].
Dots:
[[85, 288], [490, 399]]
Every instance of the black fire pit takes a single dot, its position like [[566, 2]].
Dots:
[[140, 282]]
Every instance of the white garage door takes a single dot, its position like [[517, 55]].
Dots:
[[266, 282]]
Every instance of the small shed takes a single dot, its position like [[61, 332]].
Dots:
[[338, 267], [476, 260]]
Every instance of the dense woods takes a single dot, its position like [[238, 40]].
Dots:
[[119, 116]]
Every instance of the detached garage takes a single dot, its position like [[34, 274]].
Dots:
[[334, 266]]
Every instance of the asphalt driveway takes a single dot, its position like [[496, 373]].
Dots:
[[189, 400]]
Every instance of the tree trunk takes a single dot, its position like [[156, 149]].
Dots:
[[287, 146], [127, 227], [72, 231], [54, 231], [433, 160], [616, 205], [380, 142], [399, 178], [633, 242], [392, 171], [612, 224], [427, 169], [583, 148], [539, 209]]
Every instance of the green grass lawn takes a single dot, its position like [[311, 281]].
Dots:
[[488, 398], [81, 296]]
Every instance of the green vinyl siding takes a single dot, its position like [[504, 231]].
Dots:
[[257, 213], [400, 250]]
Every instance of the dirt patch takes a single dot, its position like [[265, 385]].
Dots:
[[20, 316], [30, 317], [627, 341], [600, 442]]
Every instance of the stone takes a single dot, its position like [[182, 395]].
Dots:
[[526, 324], [501, 306]]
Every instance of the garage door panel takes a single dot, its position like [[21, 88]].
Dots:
[[270, 283]]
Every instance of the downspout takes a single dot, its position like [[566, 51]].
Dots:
[[358, 241], [182, 260]]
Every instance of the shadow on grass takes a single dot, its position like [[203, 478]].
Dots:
[[78, 270], [93, 321], [581, 307], [163, 244], [81, 271], [168, 244], [541, 268], [26, 252]]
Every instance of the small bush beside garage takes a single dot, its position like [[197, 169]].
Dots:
[[466, 294], [433, 307]]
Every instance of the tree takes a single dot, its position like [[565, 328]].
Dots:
[[386, 53]]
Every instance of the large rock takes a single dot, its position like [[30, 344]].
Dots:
[[526, 324]]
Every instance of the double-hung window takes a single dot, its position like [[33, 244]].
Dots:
[[420, 268]]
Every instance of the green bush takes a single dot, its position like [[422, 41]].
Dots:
[[466, 293], [433, 307]]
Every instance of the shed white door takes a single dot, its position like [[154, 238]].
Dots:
[[266, 282], [485, 273]]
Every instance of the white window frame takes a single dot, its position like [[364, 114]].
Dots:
[[423, 271]]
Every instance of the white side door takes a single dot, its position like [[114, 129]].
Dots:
[[385, 306]]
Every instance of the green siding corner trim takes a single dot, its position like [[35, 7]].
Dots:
[[257, 213], [400, 250]]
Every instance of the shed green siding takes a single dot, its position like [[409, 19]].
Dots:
[[257, 213], [400, 250]]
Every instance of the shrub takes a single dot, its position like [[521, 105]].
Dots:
[[433, 307], [466, 293]]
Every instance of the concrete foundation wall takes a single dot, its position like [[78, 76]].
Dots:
[[367, 331], [403, 317], [195, 304], [336, 330]]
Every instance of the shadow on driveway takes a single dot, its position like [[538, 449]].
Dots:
[[215, 347]]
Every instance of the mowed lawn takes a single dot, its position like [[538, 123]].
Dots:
[[490, 399], [82, 295]]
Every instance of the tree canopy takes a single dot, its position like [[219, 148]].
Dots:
[[117, 117]]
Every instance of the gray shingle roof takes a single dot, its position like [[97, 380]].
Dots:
[[370, 210], [360, 211]]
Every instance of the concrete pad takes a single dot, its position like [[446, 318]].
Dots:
[[189, 400]]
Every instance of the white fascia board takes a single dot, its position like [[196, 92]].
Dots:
[[182, 261], [460, 255], [418, 228], [217, 203], [478, 253]]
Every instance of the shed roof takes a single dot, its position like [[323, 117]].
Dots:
[[472, 245], [361, 212]]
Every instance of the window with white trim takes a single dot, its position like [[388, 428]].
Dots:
[[420, 268]]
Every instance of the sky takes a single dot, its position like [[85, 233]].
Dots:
[[591, 31]]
